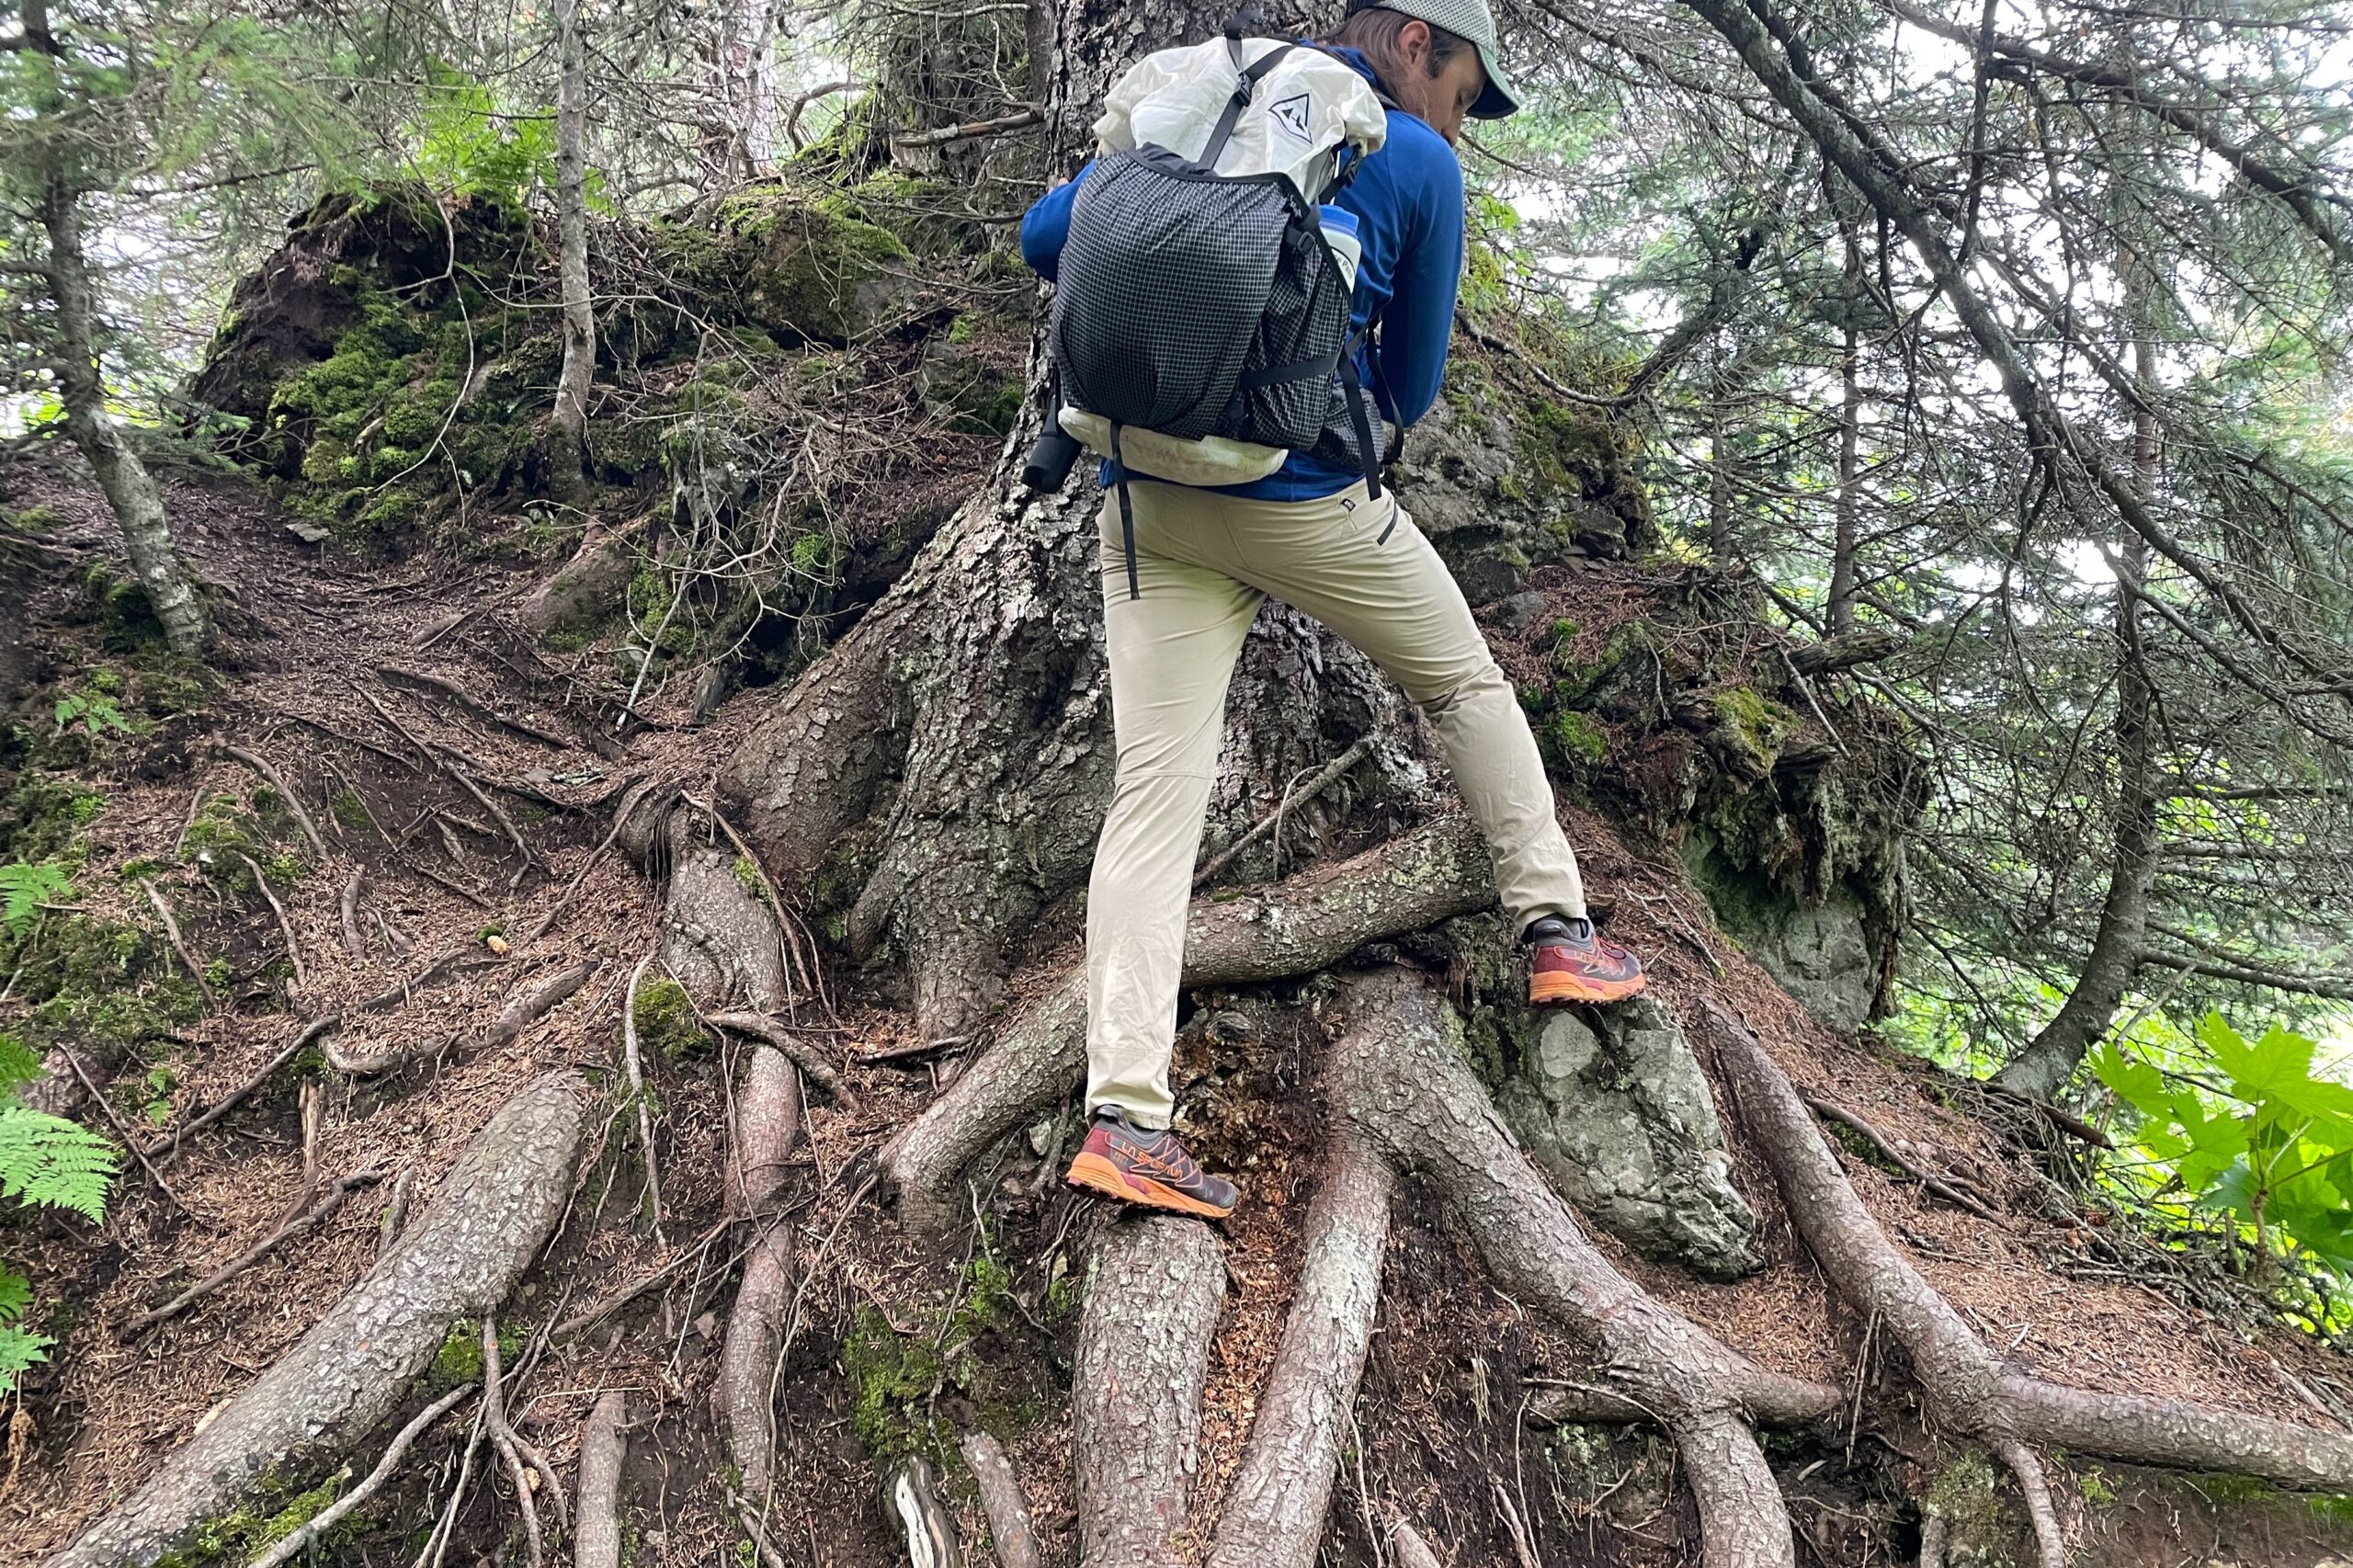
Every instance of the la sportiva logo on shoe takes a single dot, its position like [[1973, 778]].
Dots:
[[1291, 114]]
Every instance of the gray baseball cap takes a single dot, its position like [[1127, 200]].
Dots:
[[1474, 24]]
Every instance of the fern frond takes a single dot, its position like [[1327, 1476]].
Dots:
[[19, 1065], [24, 888], [18, 1350], [54, 1163]]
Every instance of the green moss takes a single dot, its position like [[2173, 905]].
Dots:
[[666, 1022], [747, 877], [890, 1375], [2094, 1486], [796, 265], [347, 808], [1580, 743], [1964, 1496], [1752, 727], [169, 684], [45, 815]]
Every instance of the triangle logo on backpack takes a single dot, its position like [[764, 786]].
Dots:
[[1292, 114]]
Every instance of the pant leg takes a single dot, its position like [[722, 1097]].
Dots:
[[1172, 653], [1394, 599]]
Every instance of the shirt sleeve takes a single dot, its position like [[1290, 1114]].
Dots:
[[1047, 224], [1419, 322]]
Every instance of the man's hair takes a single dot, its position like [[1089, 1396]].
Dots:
[[1371, 30]]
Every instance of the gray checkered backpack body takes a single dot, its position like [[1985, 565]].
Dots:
[[1194, 303]]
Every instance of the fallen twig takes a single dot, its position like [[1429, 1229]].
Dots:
[[334, 1513], [179, 944], [604, 1450], [276, 781], [1322, 780], [762, 1026], [1888, 1151], [74, 1060], [473, 704], [328, 1203], [353, 942], [285, 927], [168, 1147], [637, 1091]]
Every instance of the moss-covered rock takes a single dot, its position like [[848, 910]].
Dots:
[[795, 265]]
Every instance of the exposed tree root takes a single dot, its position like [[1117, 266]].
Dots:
[[779, 1034], [328, 1203], [1144, 1345], [1274, 1511], [604, 1449], [768, 1120], [522, 1459], [926, 1526], [1397, 1075], [513, 1019], [1294, 926], [458, 1258], [1968, 1387], [1002, 1500], [293, 1543]]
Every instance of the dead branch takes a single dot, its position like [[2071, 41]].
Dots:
[[972, 130], [115, 1120], [317, 1214], [168, 1147], [1000, 1500], [460, 1258], [276, 781], [179, 945], [528, 1008], [1272, 822], [1950, 1193], [291, 1544]]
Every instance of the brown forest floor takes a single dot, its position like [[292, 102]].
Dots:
[[1451, 1361]]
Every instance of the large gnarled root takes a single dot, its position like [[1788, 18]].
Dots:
[[1398, 1078], [1968, 1387], [1294, 926], [460, 1258], [767, 1119], [1143, 1348], [1274, 1512]]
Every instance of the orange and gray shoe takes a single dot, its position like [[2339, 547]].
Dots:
[[1569, 962], [1151, 1168]]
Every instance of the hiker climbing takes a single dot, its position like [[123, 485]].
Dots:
[[1271, 233]]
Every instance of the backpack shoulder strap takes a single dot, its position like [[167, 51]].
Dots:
[[1246, 84]]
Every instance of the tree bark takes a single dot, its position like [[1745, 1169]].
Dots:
[[129, 489], [1841, 611], [604, 1449], [768, 1123], [579, 371], [460, 1258], [2051, 1058]]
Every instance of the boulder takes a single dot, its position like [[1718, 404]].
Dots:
[[1612, 1106]]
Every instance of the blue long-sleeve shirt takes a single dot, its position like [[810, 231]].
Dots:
[[1407, 200]]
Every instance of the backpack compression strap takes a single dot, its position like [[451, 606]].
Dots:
[[1250, 76], [1127, 512]]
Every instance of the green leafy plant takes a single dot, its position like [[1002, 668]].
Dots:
[[2246, 1130], [94, 710], [48, 1161], [24, 888]]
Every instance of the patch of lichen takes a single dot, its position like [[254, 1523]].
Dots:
[[459, 1358], [666, 1022], [1983, 1524], [1751, 727]]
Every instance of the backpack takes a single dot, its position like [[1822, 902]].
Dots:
[[1201, 326]]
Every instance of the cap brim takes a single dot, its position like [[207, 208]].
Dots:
[[1500, 97]]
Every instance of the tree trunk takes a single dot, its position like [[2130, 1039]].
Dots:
[[1841, 617], [2051, 1057], [572, 231], [129, 489], [971, 708]]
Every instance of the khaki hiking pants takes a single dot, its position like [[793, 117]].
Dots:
[[1204, 562]]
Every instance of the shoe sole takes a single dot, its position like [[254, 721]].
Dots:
[[1095, 1174], [1559, 987]]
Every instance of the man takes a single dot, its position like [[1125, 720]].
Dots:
[[1310, 534]]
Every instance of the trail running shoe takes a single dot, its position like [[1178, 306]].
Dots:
[[1569, 962], [1123, 1161]]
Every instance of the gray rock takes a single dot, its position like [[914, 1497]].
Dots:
[[1823, 958], [1620, 1121]]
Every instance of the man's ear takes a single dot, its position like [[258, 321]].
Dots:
[[1414, 43]]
